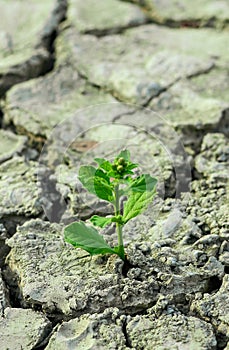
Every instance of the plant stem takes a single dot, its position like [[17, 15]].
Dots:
[[121, 252], [120, 241]]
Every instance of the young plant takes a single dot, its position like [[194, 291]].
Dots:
[[110, 182]]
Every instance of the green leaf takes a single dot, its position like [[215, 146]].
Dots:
[[104, 164], [136, 204], [96, 182], [100, 161], [87, 238], [102, 174], [131, 166], [124, 154], [143, 183], [100, 220], [103, 190]]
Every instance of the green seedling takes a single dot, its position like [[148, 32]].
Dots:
[[111, 182]]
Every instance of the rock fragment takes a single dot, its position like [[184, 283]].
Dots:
[[215, 84], [172, 331], [61, 95], [98, 331], [214, 156], [18, 188], [208, 205], [185, 111], [138, 75], [106, 331], [46, 267], [10, 144], [190, 113], [25, 49], [214, 308], [178, 13], [23, 329], [104, 17]]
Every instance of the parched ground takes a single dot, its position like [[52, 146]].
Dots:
[[85, 79]]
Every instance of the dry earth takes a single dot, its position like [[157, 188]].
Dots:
[[82, 79]]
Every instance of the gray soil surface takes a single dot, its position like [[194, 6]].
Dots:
[[86, 79]]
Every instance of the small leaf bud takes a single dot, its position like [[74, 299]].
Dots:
[[122, 161], [119, 168]]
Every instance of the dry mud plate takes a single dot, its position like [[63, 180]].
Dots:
[[86, 79]]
